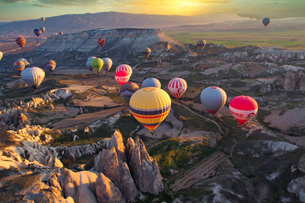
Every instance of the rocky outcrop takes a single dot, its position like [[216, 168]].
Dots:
[[13, 118], [144, 168], [108, 162], [302, 84], [265, 88], [289, 82], [117, 143], [296, 186], [301, 164], [106, 191]]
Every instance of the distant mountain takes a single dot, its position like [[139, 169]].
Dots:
[[80, 22]]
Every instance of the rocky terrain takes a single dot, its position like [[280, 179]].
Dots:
[[59, 137]]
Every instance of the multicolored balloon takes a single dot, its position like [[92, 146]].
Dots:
[[150, 106], [151, 82], [33, 76], [213, 98], [61, 33], [43, 19], [43, 29], [243, 108], [50, 65], [146, 52], [88, 63], [266, 21], [107, 64], [122, 77], [124, 67], [177, 87], [19, 66], [97, 64], [101, 42], [201, 44], [37, 32], [26, 63], [21, 41], [128, 89]]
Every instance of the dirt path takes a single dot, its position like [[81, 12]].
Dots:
[[87, 118]]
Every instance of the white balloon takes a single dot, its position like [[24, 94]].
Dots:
[[33, 76]]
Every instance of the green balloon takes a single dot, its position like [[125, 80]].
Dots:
[[97, 64]]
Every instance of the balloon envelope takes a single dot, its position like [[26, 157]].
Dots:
[[61, 33], [124, 67], [266, 21], [26, 63], [177, 87], [33, 76], [107, 64], [88, 63], [1, 55], [37, 32], [150, 106], [43, 29], [122, 77], [19, 66], [128, 89], [21, 41], [101, 42], [97, 64], [146, 52], [51, 65], [43, 19], [213, 98], [201, 44], [243, 108], [151, 82]]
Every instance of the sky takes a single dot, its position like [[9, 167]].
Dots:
[[12, 10]]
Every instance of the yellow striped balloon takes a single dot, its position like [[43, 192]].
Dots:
[[150, 106]]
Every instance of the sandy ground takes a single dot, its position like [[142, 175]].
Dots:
[[87, 118], [59, 112], [291, 118], [78, 88], [216, 69], [101, 101]]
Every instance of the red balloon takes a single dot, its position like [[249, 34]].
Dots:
[[243, 108], [124, 67], [122, 77], [101, 42]]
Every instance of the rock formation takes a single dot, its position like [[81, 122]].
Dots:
[[289, 82], [296, 186], [302, 84], [144, 168]]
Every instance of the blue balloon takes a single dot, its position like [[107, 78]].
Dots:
[[37, 32], [266, 21], [151, 82]]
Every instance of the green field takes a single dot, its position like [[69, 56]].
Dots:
[[294, 39]]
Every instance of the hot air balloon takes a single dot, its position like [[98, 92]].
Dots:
[[1, 55], [43, 19], [37, 32], [213, 98], [19, 66], [266, 21], [107, 64], [201, 44], [243, 108], [33, 76], [150, 106], [88, 63], [101, 42], [122, 77], [43, 29], [146, 52], [124, 67], [50, 65], [97, 64], [128, 89], [21, 41], [177, 87], [61, 33], [26, 63], [151, 82]]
